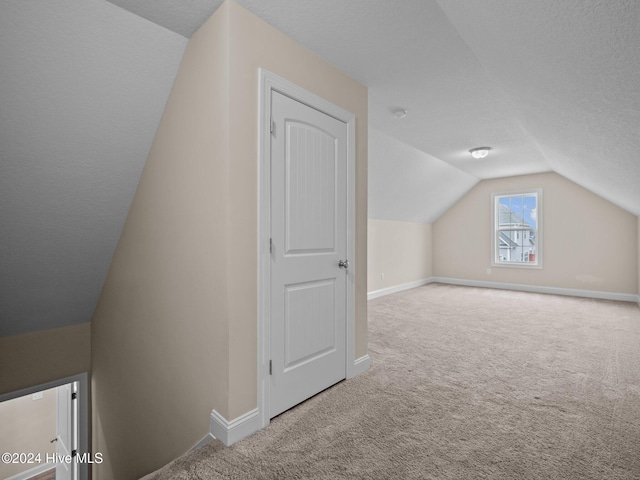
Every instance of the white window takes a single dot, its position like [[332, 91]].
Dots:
[[517, 229]]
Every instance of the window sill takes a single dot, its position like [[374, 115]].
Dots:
[[537, 266]]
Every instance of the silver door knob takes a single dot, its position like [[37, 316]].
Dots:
[[343, 264]]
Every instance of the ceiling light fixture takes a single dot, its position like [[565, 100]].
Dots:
[[399, 112], [479, 152]]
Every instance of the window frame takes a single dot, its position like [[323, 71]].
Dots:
[[495, 212]]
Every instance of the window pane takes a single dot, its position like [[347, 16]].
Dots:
[[532, 253], [502, 246], [516, 205], [516, 246], [504, 218], [516, 230], [529, 238], [531, 210]]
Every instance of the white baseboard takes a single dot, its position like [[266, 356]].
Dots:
[[32, 472], [205, 441], [229, 432], [361, 365], [571, 292], [398, 288]]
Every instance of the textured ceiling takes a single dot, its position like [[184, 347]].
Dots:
[[407, 180], [181, 16], [409, 55], [570, 70], [82, 87], [549, 84]]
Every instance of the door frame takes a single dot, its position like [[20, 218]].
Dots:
[[269, 82], [81, 414]]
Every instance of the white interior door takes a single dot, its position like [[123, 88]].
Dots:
[[309, 240], [65, 431]]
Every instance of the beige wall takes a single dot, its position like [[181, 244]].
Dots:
[[176, 324], [255, 44], [36, 358], [27, 426], [589, 243], [160, 333], [399, 250]]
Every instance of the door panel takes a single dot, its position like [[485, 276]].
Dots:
[[311, 184], [309, 237], [309, 322], [64, 434]]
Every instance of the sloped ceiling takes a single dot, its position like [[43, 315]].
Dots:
[[549, 85], [181, 16], [570, 69], [407, 180], [83, 84]]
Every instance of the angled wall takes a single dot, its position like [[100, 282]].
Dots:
[[408, 191], [174, 335], [589, 243], [160, 335]]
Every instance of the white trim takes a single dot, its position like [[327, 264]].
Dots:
[[398, 288], [539, 230], [32, 472], [205, 441], [229, 432], [361, 365], [572, 292], [267, 83], [83, 411]]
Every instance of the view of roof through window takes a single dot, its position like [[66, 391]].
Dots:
[[516, 234]]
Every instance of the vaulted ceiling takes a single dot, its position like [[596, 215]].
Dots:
[[549, 85]]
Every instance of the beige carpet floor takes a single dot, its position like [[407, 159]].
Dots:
[[466, 383]]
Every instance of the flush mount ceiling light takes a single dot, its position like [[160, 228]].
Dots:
[[399, 112], [479, 152]]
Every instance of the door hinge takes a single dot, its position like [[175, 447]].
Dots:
[[74, 395], [270, 367], [272, 127], [270, 245]]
